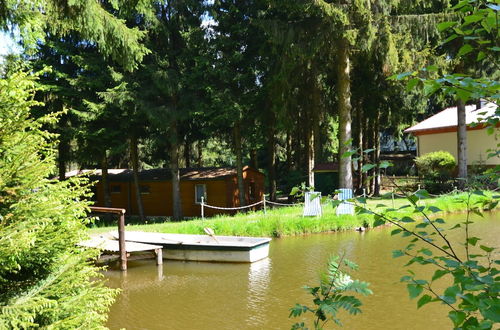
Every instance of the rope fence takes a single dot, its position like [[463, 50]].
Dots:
[[266, 202], [283, 204]]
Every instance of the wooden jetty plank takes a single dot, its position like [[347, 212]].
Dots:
[[111, 245]]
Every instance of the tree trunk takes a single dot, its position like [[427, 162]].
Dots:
[[366, 157], [199, 161], [105, 180], [239, 162], [63, 147], [461, 144], [63, 151], [367, 144], [253, 159], [174, 170], [372, 158], [359, 121], [344, 100], [309, 145], [316, 118], [289, 152], [376, 140], [134, 159], [271, 165], [187, 154]]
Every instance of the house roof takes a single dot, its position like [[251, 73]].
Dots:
[[447, 119], [326, 167], [161, 174]]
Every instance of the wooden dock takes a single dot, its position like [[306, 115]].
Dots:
[[109, 244]]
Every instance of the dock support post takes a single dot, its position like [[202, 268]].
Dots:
[[121, 241], [159, 256]]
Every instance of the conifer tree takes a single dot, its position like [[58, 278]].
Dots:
[[46, 280]]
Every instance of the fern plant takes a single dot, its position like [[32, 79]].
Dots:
[[332, 295]]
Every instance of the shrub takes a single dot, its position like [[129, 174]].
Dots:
[[437, 170]]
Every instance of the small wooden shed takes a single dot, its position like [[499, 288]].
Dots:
[[218, 186]]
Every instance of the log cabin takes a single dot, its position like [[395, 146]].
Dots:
[[217, 185]]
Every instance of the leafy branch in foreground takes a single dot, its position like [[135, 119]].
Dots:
[[330, 296], [473, 289]]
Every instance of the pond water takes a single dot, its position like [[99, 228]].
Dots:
[[197, 295]]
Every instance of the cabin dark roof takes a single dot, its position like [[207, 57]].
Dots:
[[163, 174], [326, 167]]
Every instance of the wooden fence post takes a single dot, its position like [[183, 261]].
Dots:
[[121, 241], [121, 231], [264, 202]]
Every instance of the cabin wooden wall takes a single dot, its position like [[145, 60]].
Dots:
[[250, 178], [158, 202]]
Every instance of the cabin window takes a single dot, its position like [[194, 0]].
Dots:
[[200, 190], [116, 189], [252, 191], [144, 189]]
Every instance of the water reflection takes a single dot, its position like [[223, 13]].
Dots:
[[258, 285], [197, 295]]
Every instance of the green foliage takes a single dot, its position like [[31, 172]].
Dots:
[[331, 295], [473, 36], [45, 279], [437, 169], [92, 20], [473, 280], [472, 276], [436, 165]]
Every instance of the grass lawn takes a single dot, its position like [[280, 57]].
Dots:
[[286, 221]]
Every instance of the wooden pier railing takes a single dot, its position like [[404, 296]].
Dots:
[[121, 231]]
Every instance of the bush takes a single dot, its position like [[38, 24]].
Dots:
[[436, 168]]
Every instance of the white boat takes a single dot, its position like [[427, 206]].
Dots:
[[204, 247]]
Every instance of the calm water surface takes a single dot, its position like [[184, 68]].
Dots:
[[196, 295]]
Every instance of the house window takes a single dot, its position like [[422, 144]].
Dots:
[[116, 189], [144, 189], [200, 190]]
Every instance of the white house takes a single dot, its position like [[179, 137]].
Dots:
[[439, 132]]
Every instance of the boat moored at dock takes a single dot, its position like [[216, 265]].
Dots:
[[204, 247]]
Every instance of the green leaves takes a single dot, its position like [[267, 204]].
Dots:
[[472, 240], [365, 168], [486, 248], [439, 273], [331, 296], [298, 310], [397, 253], [414, 290], [445, 25], [425, 299], [457, 317]]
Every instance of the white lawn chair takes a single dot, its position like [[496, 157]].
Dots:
[[345, 207], [312, 204]]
